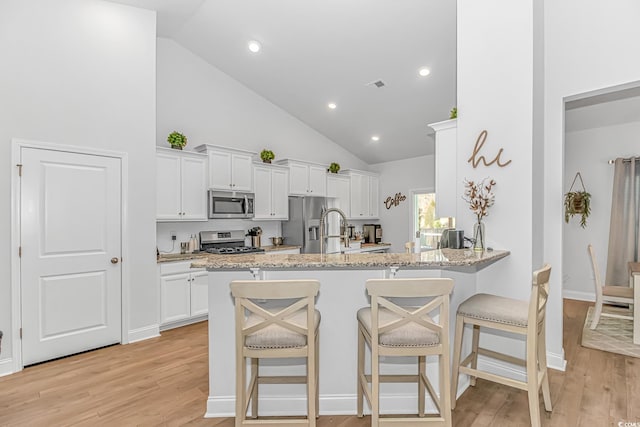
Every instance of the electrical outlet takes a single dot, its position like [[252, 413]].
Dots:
[[173, 235]]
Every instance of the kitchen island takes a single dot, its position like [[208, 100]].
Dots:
[[342, 292]]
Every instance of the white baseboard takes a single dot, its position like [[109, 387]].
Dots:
[[578, 295], [557, 361], [337, 404], [144, 333], [184, 322], [6, 367]]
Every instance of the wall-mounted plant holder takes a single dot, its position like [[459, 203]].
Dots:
[[577, 202]]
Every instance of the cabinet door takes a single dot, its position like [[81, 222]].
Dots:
[[199, 293], [298, 179], [374, 197], [279, 194], [220, 170], [194, 189], [262, 186], [175, 297], [359, 196], [168, 180], [317, 181], [241, 172], [338, 188]]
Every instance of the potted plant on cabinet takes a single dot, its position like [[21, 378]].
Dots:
[[267, 155], [177, 140], [334, 167]]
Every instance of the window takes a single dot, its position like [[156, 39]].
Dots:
[[425, 222]]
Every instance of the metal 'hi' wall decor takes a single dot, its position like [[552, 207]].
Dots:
[[475, 159]]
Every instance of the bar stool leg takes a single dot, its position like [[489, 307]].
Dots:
[[360, 392], [241, 381], [542, 360], [445, 389], [311, 385], [457, 349], [375, 386], [422, 370], [254, 393], [475, 342], [532, 381], [318, 374]]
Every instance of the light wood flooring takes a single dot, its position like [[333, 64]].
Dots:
[[163, 381]]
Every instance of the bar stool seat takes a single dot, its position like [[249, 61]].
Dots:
[[408, 335], [494, 308], [276, 336]]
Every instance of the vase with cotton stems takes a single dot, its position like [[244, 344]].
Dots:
[[480, 197]]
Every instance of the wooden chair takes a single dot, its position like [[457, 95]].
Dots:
[[393, 330], [275, 332], [608, 294], [511, 315]]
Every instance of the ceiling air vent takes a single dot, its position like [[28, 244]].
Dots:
[[377, 83]]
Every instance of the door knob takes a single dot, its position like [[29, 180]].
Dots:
[[114, 260]]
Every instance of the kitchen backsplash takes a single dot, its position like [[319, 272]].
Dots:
[[184, 230]]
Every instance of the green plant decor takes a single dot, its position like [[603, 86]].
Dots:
[[177, 140], [267, 155], [577, 203], [334, 167], [453, 114]]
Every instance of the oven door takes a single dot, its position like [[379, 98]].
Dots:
[[226, 205]]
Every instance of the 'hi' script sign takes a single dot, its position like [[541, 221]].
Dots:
[[475, 158]]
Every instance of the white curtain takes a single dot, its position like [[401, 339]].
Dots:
[[624, 230]]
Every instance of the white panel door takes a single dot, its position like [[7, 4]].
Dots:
[[317, 181], [71, 248], [374, 199], [279, 191], [241, 169], [298, 179], [168, 205], [220, 170], [262, 195], [199, 293], [175, 297]]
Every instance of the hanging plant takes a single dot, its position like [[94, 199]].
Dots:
[[577, 203]]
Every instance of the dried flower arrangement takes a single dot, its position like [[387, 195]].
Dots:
[[479, 196]]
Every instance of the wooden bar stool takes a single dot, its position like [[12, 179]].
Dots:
[[506, 314], [275, 332], [396, 330]]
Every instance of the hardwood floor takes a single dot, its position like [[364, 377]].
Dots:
[[164, 381]]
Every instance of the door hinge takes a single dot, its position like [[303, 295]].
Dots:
[[20, 333], [19, 169], [19, 251]]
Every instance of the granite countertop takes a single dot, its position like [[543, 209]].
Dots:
[[442, 259], [279, 248]]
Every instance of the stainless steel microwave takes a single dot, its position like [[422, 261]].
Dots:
[[230, 205]]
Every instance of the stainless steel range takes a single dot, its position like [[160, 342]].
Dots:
[[225, 243]]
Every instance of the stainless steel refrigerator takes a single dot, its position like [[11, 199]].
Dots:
[[303, 227]]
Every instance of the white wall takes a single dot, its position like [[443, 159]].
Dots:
[[588, 151], [82, 72], [208, 106], [588, 46], [402, 176]]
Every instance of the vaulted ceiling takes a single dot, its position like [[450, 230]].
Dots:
[[331, 51]]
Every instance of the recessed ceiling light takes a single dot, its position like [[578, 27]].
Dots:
[[332, 105], [424, 71], [254, 46], [375, 138]]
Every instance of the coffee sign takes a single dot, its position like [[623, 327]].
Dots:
[[394, 201]]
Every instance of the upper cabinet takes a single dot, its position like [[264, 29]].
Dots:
[[229, 169], [446, 171], [338, 187], [271, 195], [181, 185], [365, 194], [306, 179]]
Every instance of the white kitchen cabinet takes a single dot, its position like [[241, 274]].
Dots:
[[338, 187], [183, 294], [229, 169], [271, 192], [364, 195], [445, 164], [306, 179], [181, 185]]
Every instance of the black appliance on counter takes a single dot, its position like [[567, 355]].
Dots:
[[452, 238], [372, 233], [225, 243]]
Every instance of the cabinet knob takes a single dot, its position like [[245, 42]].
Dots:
[[114, 260]]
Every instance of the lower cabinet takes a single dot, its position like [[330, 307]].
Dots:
[[183, 294]]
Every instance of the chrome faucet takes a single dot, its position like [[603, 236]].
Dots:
[[342, 222]]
